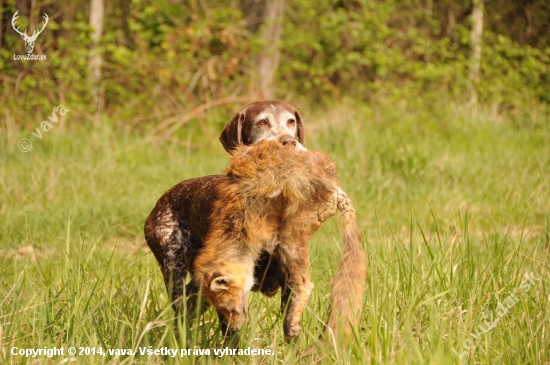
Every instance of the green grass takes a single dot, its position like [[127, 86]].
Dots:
[[454, 209]]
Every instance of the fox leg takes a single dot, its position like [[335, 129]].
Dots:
[[298, 288]]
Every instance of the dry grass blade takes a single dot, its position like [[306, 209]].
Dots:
[[177, 121]]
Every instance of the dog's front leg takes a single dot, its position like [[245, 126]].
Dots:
[[298, 288]]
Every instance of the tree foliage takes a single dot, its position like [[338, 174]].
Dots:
[[164, 56]]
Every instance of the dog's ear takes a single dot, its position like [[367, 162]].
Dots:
[[220, 282], [301, 131], [232, 135]]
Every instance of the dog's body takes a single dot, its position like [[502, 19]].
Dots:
[[180, 223], [175, 231], [176, 227]]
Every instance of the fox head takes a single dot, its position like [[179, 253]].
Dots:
[[227, 288]]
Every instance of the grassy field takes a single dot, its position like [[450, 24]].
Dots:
[[454, 208]]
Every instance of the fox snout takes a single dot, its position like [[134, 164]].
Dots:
[[236, 319], [234, 308]]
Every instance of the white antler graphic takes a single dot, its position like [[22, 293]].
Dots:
[[29, 41]]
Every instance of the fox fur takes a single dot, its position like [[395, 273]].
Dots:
[[273, 200]]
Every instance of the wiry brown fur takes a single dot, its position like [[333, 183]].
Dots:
[[273, 201]]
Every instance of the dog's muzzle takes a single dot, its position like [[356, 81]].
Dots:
[[289, 141]]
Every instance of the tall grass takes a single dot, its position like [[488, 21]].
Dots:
[[454, 211]]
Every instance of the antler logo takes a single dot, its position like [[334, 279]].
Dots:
[[29, 41]]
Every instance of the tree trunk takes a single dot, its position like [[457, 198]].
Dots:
[[475, 45], [96, 21], [24, 8], [254, 13], [1, 24], [268, 13]]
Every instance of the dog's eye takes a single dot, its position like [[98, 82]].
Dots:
[[263, 122], [291, 121]]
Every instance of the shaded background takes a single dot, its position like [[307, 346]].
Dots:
[[142, 61]]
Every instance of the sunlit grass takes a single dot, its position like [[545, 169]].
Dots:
[[454, 213]]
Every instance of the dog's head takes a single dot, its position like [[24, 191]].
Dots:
[[263, 120], [227, 288]]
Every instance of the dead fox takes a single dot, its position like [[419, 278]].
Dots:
[[262, 214]]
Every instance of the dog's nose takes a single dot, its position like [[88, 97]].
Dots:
[[288, 140]]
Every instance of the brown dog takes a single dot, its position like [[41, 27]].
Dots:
[[176, 227], [273, 200]]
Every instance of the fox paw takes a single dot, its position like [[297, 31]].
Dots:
[[292, 331]]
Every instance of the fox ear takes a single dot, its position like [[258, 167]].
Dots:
[[220, 282]]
